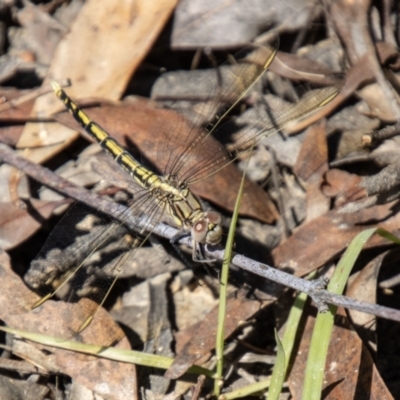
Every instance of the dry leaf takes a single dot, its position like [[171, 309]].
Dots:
[[18, 224], [89, 56], [111, 379]]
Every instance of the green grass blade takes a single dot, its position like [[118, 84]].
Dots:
[[111, 353], [219, 345], [279, 372], [316, 361], [247, 390], [288, 341]]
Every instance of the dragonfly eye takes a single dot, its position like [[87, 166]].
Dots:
[[199, 231], [208, 229], [214, 235], [213, 217], [214, 230]]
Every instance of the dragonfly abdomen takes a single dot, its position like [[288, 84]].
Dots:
[[178, 201], [142, 175]]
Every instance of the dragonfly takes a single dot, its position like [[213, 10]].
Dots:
[[169, 193]]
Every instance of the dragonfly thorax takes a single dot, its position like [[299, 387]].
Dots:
[[185, 209]]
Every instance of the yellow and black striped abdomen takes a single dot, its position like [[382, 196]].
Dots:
[[168, 193], [142, 175]]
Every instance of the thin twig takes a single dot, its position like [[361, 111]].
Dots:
[[374, 138]]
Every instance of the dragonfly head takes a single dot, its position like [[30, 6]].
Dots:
[[207, 228]]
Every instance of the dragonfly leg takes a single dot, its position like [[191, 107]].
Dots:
[[197, 256], [174, 242]]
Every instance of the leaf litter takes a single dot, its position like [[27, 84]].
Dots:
[[334, 188]]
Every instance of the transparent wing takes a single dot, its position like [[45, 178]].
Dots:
[[188, 155], [228, 84], [271, 118], [85, 254]]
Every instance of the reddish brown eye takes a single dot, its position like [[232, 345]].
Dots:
[[199, 231], [213, 217]]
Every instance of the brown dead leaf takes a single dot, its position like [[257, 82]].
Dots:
[[95, 56], [363, 286], [348, 188], [96, 47], [325, 237], [352, 23], [152, 129], [17, 224], [11, 108], [110, 379], [10, 134], [15, 108], [343, 186], [310, 166], [350, 370], [195, 343], [312, 161]]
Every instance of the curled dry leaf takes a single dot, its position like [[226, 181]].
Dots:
[[352, 25]]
